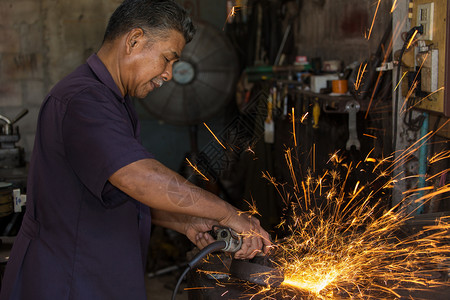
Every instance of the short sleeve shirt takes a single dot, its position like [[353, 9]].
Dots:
[[81, 237]]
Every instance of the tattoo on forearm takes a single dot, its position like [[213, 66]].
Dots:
[[181, 195]]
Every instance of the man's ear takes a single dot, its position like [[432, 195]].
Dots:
[[134, 39]]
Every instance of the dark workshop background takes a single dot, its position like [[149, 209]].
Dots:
[[43, 40]]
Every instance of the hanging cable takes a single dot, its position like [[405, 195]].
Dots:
[[205, 251], [413, 31]]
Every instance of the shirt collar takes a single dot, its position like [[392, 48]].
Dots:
[[103, 75]]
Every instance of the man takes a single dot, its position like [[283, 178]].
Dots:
[[92, 184]]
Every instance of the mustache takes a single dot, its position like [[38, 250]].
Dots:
[[158, 81]]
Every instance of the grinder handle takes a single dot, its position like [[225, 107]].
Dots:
[[233, 241], [22, 113]]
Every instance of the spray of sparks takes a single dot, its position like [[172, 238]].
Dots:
[[343, 238], [344, 241], [348, 245]]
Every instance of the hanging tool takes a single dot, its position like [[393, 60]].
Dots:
[[11, 156], [352, 107], [316, 113], [7, 128], [269, 125]]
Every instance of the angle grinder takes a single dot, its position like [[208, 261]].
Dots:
[[260, 270], [233, 241]]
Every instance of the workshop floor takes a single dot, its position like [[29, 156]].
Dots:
[[167, 249], [161, 288]]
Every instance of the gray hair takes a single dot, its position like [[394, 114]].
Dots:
[[158, 15]]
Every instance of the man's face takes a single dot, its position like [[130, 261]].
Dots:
[[151, 64]]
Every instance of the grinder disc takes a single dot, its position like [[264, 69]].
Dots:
[[256, 272], [203, 80]]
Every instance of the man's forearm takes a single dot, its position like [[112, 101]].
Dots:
[[153, 184], [172, 221]]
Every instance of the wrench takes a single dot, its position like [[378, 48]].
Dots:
[[352, 107]]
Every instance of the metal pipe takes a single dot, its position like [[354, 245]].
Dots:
[[423, 163], [5, 119]]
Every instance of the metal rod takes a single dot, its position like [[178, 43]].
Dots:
[[423, 153]]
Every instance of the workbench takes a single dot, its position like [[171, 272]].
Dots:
[[211, 280], [331, 103]]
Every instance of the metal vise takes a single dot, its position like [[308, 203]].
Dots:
[[11, 156]]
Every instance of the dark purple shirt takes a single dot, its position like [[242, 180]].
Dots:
[[81, 237]]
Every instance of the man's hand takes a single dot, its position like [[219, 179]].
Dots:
[[196, 229], [254, 238]]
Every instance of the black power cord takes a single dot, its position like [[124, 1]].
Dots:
[[409, 35], [219, 245]]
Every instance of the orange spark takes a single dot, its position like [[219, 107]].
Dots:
[[196, 169], [440, 156], [303, 117], [373, 20], [408, 95], [335, 158], [394, 6], [252, 208], [249, 149], [368, 154], [427, 188], [215, 137], [288, 157], [404, 74], [198, 288], [371, 159], [371, 136], [429, 95], [293, 127], [411, 39], [231, 14], [429, 196], [360, 76], [314, 158], [437, 174]]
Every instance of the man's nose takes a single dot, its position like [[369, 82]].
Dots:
[[167, 74]]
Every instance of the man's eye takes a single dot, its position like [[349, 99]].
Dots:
[[166, 59]]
